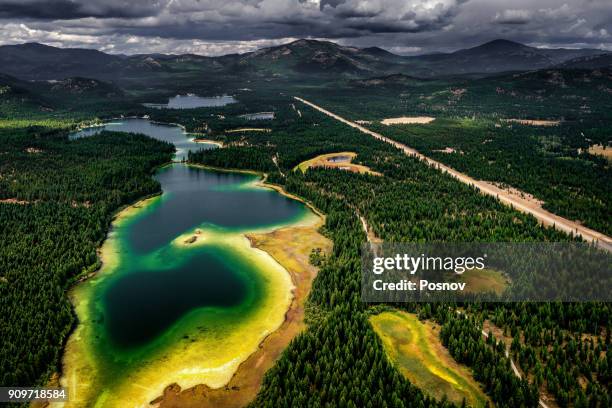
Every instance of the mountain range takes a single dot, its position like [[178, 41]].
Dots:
[[33, 61]]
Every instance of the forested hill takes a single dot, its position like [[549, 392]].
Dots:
[[56, 201], [297, 59]]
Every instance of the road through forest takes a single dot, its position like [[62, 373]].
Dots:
[[515, 200]]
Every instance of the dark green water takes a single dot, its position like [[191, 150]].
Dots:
[[194, 196], [155, 283], [141, 304]]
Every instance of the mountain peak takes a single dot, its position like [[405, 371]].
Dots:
[[36, 45], [500, 43], [377, 51], [307, 42]]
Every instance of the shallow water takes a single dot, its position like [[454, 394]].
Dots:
[[339, 159]]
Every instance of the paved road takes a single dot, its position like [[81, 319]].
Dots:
[[514, 200]]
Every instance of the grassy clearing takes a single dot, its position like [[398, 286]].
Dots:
[[485, 280], [414, 348], [327, 160], [534, 122], [601, 150]]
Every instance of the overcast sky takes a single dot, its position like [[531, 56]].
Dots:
[[213, 27]]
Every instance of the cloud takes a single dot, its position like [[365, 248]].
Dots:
[[392, 16], [218, 26], [562, 12], [71, 9], [270, 17], [513, 17]]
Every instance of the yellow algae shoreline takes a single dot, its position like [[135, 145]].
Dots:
[[414, 347], [106, 258], [198, 360], [290, 247], [194, 360], [323, 160]]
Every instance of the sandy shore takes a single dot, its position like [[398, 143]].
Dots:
[[324, 160], [208, 141]]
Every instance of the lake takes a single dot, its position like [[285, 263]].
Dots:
[[166, 132], [181, 296], [258, 116], [193, 101]]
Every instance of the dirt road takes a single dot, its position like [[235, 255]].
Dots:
[[509, 198], [517, 373]]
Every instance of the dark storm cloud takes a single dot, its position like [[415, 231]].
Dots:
[[218, 26], [72, 9]]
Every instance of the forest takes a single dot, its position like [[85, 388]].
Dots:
[[551, 163], [57, 198], [439, 209]]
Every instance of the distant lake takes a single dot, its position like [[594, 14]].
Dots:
[[258, 116], [193, 101]]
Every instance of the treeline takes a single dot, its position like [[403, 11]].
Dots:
[[573, 95], [254, 158], [65, 193], [463, 338]]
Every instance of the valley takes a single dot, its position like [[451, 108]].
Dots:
[[182, 230]]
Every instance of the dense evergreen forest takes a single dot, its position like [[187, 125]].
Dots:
[[570, 95], [331, 364], [551, 163], [59, 196], [57, 200], [470, 134]]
